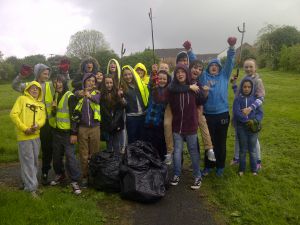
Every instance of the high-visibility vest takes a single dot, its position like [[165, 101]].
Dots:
[[62, 118], [49, 92], [95, 107]]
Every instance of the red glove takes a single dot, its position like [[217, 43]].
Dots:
[[26, 70], [231, 41], [64, 65], [187, 45]]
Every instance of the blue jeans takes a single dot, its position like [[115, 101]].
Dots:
[[237, 148], [192, 145], [247, 142], [62, 146]]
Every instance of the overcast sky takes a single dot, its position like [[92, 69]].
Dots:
[[45, 26]]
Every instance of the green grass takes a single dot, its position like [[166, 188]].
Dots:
[[273, 197], [57, 205]]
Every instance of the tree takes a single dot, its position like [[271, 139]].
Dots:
[[145, 57], [270, 41], [1, 56], [86, 42], [7, 71]]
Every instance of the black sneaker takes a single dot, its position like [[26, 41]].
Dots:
[[45, 179], [58, 179], [197, 184], [175, 180]]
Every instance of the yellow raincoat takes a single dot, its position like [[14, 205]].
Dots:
[[22, 113]]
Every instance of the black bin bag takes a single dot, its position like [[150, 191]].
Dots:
[[143, 176], [104, 170]]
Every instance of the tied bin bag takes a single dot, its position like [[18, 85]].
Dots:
[[143, 175], [104, 170]]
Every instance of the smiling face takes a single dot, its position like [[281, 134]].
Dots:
[[89, 83], [59, 87], [99, 77], [34, 91], [250, 67], [214, 69], [164, 66], [109, 83], [44, 76], [127, 75], [183, 61], [140, 72], [196, 71], [162, 79], [181, 76]]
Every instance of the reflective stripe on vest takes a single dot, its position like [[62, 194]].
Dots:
[[95, 107], [49, 92], [62, 113]]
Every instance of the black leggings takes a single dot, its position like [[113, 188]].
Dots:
[[218, 127]]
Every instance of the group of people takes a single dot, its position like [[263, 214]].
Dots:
[[128, 104]]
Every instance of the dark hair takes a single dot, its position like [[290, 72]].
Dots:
[[63, 79], [195, 63], [109, 98]]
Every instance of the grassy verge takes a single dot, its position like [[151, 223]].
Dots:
[[56, 206], [273, 197]]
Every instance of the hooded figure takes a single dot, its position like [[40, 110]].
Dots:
[[184, 105], [117, 71], [140, 68], [28, 111], [87, 65], [244, 100]]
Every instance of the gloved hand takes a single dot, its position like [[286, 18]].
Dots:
[[187, 45], [64, 65], [231, 41], [26, 70], [253, 125]]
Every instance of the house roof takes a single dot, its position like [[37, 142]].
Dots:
[[168, 52]]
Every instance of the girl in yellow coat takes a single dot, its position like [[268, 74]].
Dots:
[[28, 114]]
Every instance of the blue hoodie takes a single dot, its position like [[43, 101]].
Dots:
[[217, 101], [244, 101]]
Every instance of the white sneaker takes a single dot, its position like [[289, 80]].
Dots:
[[168, 159], [211, 155], [76, 188]]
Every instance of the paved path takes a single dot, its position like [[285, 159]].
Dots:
[[181, 205]]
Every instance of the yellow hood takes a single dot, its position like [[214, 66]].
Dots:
[[141, 85], [40, 98], [118, 67], [141, 66]]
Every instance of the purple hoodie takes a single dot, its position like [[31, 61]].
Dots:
[[87, 114], [184, 107]]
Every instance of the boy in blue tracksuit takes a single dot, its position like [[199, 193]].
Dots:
[[247, 125], [216, 109]]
